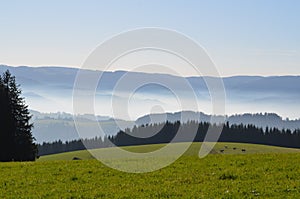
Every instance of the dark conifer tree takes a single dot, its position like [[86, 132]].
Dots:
[[16, 140]]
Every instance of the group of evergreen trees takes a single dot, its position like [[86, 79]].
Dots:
[[16, 140], [177, 132]]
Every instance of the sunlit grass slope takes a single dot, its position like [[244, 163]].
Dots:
[[220, 148]]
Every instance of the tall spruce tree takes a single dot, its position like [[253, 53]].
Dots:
[[16, 140]]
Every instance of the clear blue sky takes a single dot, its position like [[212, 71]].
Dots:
[[251, 37]]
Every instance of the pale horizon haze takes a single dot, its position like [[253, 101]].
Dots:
[[242, 37]]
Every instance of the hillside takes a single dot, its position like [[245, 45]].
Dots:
[[193, 151]]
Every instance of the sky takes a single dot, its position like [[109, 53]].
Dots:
[[250, 37]]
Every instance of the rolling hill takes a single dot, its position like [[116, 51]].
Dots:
[[193, 150]]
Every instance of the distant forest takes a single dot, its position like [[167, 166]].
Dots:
[[177, 132]]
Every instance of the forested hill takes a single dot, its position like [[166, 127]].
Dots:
[[258, 119], [166, 132], [49, 127]]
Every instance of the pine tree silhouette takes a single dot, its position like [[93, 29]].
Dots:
[[16, 140]]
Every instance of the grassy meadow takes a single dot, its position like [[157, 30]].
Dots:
[[258, 172]]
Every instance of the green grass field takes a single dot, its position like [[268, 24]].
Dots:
[[261, 171]]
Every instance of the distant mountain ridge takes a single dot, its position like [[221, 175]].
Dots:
[[64, 76]]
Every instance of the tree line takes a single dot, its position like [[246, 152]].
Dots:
[[177, 132]]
